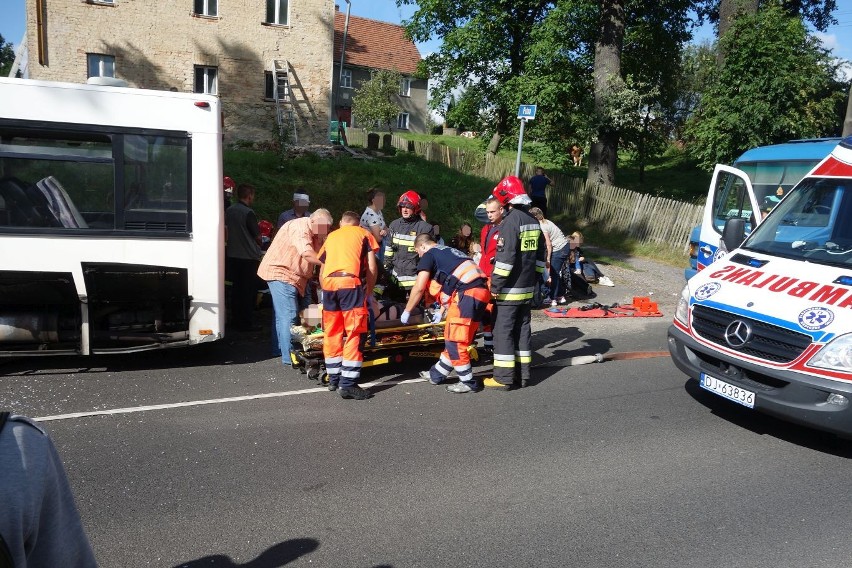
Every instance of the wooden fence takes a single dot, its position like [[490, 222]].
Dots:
[[644, 218]]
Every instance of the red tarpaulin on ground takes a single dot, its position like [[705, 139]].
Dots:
[[642, 307]]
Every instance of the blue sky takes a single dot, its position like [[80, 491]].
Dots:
[[837, 38]]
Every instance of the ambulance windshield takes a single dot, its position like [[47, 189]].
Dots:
[[813, 223]]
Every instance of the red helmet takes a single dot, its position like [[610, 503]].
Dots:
[[229, 184], [508, 189], [265, 228], [410, 199]]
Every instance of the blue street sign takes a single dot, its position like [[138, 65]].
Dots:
[[526, 112]]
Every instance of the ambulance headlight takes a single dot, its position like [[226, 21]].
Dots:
[[836, 355], [682, 311]]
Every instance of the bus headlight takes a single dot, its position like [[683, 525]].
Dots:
[[836, 355], [682, 311]]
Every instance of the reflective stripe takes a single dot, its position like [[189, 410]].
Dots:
[[502, 272], [505, 364], [528, 228], [515, 297], [518, 290], [503, 266], [351, 363], [332, 360], [504, 357], [463, 369], [540, 266], [351, 374], [523, 356], [527, 353]]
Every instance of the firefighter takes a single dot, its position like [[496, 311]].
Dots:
[[458, 283], [400, 257], [518, 264], [488, 244], [347, 278]]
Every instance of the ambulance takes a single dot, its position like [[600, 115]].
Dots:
[[768, 325]]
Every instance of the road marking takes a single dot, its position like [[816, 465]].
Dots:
[[133, 409]]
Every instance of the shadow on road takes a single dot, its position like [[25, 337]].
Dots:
[[273, 557], [558, 340], [766, 425]]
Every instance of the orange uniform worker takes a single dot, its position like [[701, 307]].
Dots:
[[457, 282], [347, 279]]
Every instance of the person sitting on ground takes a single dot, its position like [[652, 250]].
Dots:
[[583, 266]]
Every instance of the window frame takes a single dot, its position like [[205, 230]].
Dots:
[[275, 18], [403, 118], [346, 79], [405, 87], [206, 77], [101, 59], [205, 8]]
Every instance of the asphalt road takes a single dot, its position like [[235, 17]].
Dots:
[[622, 463]]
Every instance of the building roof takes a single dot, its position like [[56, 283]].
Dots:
[[375, 45]]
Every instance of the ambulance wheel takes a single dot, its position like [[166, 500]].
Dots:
[[324, 379]]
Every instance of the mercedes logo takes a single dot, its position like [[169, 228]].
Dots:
[[738, 333]]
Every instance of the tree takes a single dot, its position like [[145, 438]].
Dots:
[[466, 111], [374, 102], [7, 57], [484, 45], [776, 83]]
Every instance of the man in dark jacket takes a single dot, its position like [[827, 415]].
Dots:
[[401, 259], [518, 264]]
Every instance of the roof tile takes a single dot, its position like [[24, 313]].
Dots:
[[375, 45]]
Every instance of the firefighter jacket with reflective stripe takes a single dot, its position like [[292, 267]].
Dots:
[[520, 259], [400, 255], [451, 271]]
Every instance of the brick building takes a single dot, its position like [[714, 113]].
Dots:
[[225, 47], [372, 45]]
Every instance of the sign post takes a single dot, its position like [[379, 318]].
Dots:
[[525, 113]]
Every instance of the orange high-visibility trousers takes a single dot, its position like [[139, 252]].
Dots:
[[344, 319], [465, 311]]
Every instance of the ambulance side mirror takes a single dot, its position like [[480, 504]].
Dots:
[[733, 234]]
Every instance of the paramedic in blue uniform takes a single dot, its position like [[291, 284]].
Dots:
[[459, 285], [518, 264]]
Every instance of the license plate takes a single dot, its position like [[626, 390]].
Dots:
[[727, 390]]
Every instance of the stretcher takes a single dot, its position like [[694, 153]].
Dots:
[[387, 342]]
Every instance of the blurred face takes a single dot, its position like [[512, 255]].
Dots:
[[300, 206], [406, 212], [379, 201], [424, 204], [493, 211], [436, 230], [466, 230], [320, 226]]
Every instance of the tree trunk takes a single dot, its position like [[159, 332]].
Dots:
[[847, 124], [607, 76], [494, 145], [728, 11]]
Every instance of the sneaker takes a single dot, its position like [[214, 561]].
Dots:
[[605, 281], [553, 303], [460, 387], [426, 376], [562, 300], [355, 393]]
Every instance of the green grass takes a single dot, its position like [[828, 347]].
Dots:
[[671, 175], [339, 184]]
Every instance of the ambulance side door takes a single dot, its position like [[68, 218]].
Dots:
[[731, 195]]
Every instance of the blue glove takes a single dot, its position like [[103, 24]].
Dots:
[[436, 317], [403, 319]]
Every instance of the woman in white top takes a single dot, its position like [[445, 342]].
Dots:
[[557, 254], [374, 221]]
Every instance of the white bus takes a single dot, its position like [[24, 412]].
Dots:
[[111, 219]]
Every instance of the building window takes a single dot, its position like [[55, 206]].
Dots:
[[100, 65], [207, 7], [276, 12], [402, 121], [405, 88], [346, 79], [269, 89], [206, 80]]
